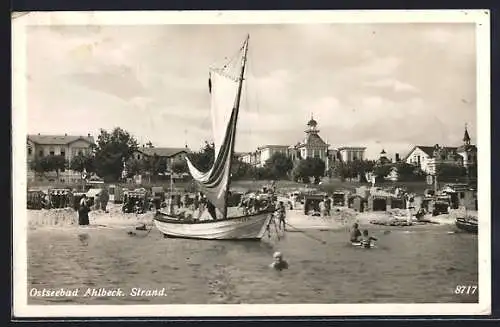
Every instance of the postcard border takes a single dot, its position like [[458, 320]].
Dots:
[[21, 309]]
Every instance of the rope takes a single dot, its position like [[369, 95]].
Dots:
[[310, 236]]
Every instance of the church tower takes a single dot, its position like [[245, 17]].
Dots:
[[466, 138]]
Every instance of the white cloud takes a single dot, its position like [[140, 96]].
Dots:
[[360, 81], [394, 85], [439, 35]]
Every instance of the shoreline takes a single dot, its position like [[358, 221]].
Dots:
[[340, 218]]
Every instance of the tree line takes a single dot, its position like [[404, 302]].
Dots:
[[114, 151]]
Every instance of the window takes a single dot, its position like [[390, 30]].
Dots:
[[63, 153], [30, 151], [138, 157], [80, 152], [40, 153], [51, 153]]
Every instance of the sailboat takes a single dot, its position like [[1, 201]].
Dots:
[[225, 91]]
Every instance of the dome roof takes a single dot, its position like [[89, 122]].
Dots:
[[312, 122]]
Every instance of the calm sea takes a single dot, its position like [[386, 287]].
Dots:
[[422, 265]]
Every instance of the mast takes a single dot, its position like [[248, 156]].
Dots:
[[235, 112]]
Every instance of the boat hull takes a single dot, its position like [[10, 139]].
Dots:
[[251, 227], [466, 226]]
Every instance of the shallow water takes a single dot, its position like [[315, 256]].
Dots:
[[421, 265]]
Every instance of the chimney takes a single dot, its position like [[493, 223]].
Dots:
[[65, 134], [38, 133], [88, 134], [398, 159]]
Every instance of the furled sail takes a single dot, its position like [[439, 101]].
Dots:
[[224, 90]]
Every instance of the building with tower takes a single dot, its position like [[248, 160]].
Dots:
[[311, 146], [429, 157]]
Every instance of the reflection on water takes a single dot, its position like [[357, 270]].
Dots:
[[424, 265]]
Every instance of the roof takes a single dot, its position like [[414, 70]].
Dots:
[[429, 150], [162, 152], [272, 146], [312, 139], [59, 139], [466, 136], [351, 148]]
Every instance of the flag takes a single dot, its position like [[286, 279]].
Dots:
[[209, 84]]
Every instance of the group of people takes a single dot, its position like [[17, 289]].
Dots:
[[59, 199], [364, 238]]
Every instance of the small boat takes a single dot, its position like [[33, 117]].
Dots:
[[467, 224], [225, 89], [363, 245]]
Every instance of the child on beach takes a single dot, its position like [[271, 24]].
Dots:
[[366, 240]]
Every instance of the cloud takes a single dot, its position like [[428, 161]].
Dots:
[[393, 84], [439, 35], [398, 84]]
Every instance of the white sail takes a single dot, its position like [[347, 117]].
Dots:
[[225, 95]]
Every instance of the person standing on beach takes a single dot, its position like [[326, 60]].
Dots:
[[281, 213], [328, 205], [104, 199], [322, 208], [83, 211]]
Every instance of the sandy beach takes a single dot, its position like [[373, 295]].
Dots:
[[340, 218]]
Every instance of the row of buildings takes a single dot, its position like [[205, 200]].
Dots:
[[426, 158], [312, 146], [70, 146]]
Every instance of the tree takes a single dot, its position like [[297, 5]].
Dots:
[[339, 170], [180, 166], [38, 166], [309, 167], [408, 171], [242, 169], [82, 162], [381, 171], [134, 166], [450, 172], [472, 172], [111, 151], [279, 165], [203, 159], [49, 163], [153, 165]]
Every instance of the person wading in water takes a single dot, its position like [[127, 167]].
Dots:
[[83, 211], [355, 233], [279, 263]]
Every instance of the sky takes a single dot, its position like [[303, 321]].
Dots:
[[383, 86]]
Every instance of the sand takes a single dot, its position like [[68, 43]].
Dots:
[[67, 217]]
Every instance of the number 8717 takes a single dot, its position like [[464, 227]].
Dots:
[[466, 289]]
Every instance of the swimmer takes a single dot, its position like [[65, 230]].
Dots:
[[355, 233], [279, 263], [367, 240]]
